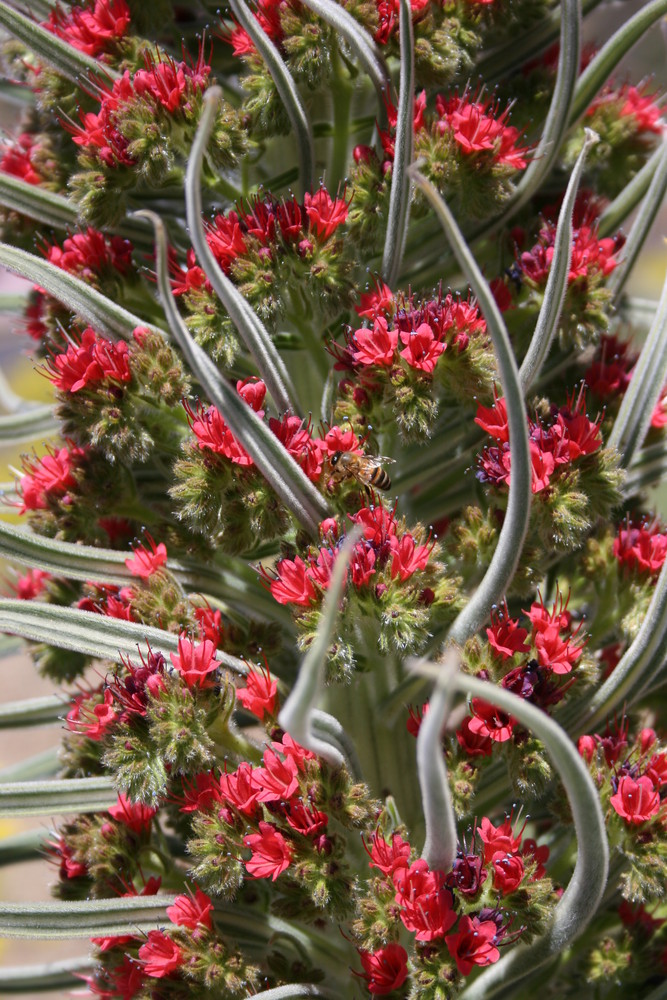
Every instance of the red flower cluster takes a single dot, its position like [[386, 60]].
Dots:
[[641, 546], [163, 86], [91, 31], [195, 662], [409, 333], [555, 653], [146, 561], [213, 434], [426, 899], [631, 105], [16, 158], [113, 602], [592, 258], [569, 436], [303, 583], [268, 228], [91, 255], [88, 362], [387, 14], [91, 717], [479, 128], [267, 14], [637, 773], [610, 372], [49, 477]]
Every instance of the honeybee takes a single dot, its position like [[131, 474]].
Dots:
[[366, 469]]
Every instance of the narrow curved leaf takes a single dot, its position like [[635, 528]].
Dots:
[[102, 314], [359, 41], [230, 579], [554, 293], [31, 712], [29, 199], [296, 714], [36, 422], [557, 121], [271, 458], [630, 671], [506, 556], [287, 91], [294, 991], [41, 765], [251, 330], [34, 978], [624, 203], [92, 634], [24, 846], [607, 59], [585, 890], [399, 197], [75, 65], [441, 835], [83, 919], [648, 377], [648, 212], [44, 798]]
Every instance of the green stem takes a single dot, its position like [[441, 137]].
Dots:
[[341, 94]]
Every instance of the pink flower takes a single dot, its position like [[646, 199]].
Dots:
[[277, 780], [408, 557], [195, 662], [493, 420], [497, 838], [426, 902], [271, 853], [144, 562], [389, 858], [508, 871], [505, 636], [490, 721], [88, 363], [91, 31]]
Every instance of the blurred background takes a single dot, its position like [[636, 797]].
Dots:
[[18, 375]]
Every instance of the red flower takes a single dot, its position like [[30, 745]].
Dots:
[[48, 477], [426, 902], [160, 955], [16, 158], [493, 420], [212, 432], [89, 362], [362, 564], [240, 789], [225, 238], [92, 722], [253, 391], [191, 911], [422, 348], [508, 871], [134, 815], [305, 819], [385, 969], [475, 744], [210, 624], [144, 562], [473, 944], [277, 780], [60, 852], [535, 854], [496, 839], [296, 438], [260, 695], [376, 346], [487, 720], [505, 636], [271, 853], [91, 31], [408, 557], [642, 108], [31, 584], [389, 858], [195, 662], [89, 255], [378, 302], [556, 653], [293, 584], [643, 548], [325, 214], [636, 801], [169, 83]]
